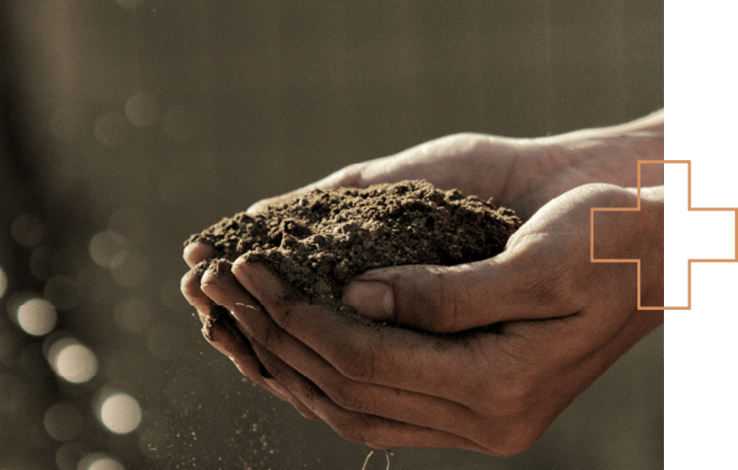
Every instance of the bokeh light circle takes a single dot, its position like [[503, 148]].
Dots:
[[120, 413], [99, 461], [112, 130], [27, 230], [72, 361], [37, 317], [69, 454], [142, 109], [109, 249], [63, 421], [134, 271]]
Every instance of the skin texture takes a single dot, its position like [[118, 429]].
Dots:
[[450, 380]]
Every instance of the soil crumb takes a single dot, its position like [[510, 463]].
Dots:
[[316, 242]]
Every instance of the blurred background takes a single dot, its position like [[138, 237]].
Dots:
[[127, 125]]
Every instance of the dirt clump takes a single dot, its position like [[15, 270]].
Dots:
[[316, 242]]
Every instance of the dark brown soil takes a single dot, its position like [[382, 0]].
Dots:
[[318, 241]]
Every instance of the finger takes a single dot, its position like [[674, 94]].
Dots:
[[190, 288], [221, 287], [227, 339], [220, 331], [492, 372], [282, 393], [396, 404], [544, 272], [197, 252], [362, 350], [508, 287], [358, 427]]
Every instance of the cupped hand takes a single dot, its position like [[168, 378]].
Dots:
[[443, 161], [330, 375], [517, 337]]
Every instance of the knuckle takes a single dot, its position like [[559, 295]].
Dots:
[[450, 304], [356, 364], [426, 300], [441, 303], [352, 398], [273, 338]]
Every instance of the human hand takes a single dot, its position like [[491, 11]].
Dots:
[[521, 173], [519, 335], [445, 161]]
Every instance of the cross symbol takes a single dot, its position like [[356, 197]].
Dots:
[[690, 208]]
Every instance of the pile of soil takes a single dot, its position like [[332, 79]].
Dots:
[[316, 242]]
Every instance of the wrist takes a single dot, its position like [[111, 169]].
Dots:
[[549, 166]]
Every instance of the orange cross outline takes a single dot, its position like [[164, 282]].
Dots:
[[638, 208]]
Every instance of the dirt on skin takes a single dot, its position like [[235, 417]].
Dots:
[[318, 241]]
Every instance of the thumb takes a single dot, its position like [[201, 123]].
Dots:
[[431, 298], [443, 299]]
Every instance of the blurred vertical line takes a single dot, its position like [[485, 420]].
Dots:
[[21, 188], [37, 67], [21, 191]]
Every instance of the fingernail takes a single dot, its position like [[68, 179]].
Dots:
[[371, 299]]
